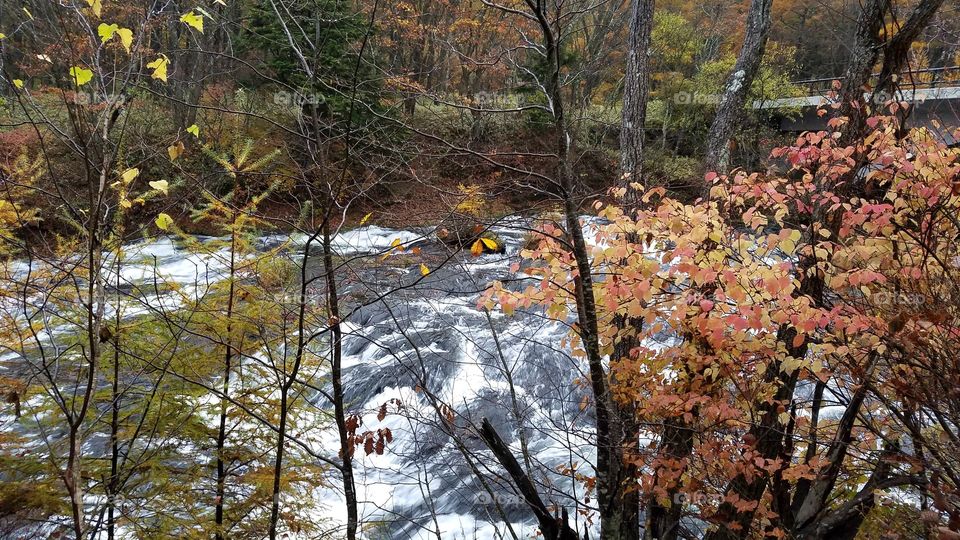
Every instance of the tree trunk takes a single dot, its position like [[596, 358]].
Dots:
[[870, 44], [737, 87], [551, 527], [663, 520], [336, 378], [769, 431], [636, 86], [224, 401], [113, 483], [619, 506], [72, 479], [897, 50], [816, 497], [278, 462], [93, 303], [866, 51]]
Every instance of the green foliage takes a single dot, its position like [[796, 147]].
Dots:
[[531, 89], [244, 181], [675, 42], [329, 48], [26, 492], [686, 92], [674, 172], [538, 119]]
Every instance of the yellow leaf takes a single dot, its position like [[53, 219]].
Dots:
[[164, 222], [96, 6], [18, 83], [106, 31], [126, 38], [424, 270], [221, 2], [159, 67], [477, 249], [2, 35], [788, 246], [160, 185], [194, 130], [489, 243], [192, 19], [366, 218], [126, 203], [27, 11], [175, 151], [80, 75], [129, 174]]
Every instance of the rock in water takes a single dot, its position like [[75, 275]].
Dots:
[[468, 232]]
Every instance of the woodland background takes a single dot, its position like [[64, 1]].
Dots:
[[763, 325]]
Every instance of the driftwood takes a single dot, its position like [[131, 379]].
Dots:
[[553, 527]]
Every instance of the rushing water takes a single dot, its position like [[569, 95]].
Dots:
[[427, 484], [421, 341]]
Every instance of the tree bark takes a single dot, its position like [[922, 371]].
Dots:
[[871, 42], [615, 517], [636, 87], [866, 51], [815, 500], [663, 520], [551, 527], [114, 482], [737, 87], [227, 367], [278, 463], [844, 522], [896, 52], [336, 377], [635, 93]]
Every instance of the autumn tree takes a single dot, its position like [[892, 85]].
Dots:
[[737, 321], [73, 46]]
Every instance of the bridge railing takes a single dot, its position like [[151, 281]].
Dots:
[[920, 78]]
